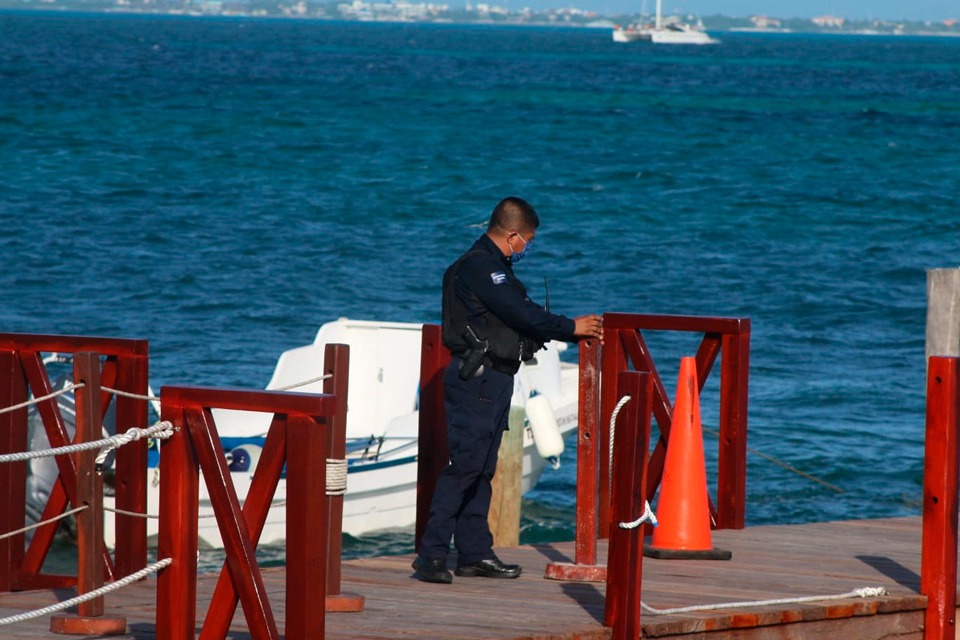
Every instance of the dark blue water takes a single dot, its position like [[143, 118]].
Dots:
[[222, 187]]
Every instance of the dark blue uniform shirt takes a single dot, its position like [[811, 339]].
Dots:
[[486, 284]]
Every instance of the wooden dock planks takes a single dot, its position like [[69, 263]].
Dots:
[[768, 562]]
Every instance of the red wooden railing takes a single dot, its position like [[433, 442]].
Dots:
[[585, 567], [21, 371], [432, 452], [624, 344], [625, 557], [299, 441], [938, 564]]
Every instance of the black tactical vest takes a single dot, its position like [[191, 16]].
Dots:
[[507, 346]]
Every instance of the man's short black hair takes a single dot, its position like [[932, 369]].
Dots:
[[513, 214]]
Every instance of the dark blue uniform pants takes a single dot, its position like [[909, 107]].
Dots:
[[477, 414]]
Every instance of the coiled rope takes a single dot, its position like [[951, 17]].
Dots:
[[336, 477], [96, 593], [66, 389], [864, 592], [160, 430]]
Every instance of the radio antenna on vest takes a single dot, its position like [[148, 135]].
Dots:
[[546, 288]]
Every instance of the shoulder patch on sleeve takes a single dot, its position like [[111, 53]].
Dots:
[[498, 277]]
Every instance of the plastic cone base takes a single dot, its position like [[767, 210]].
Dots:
[[687, 554]]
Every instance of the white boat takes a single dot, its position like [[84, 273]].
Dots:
[[670, 31], [630, 33], [382, 426]]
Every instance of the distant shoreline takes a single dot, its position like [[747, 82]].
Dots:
[[605, 22]]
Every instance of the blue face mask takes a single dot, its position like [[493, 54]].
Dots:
[[515, 256]]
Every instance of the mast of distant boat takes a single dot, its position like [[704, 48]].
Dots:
[[658, 15]]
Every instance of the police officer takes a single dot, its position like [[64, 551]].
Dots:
[[489, 326]]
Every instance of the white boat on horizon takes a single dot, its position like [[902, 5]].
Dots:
[[382, 429], [664, 31]]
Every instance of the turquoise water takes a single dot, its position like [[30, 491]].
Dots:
[[223, 187]]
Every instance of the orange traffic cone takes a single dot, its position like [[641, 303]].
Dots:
[[683, 510]]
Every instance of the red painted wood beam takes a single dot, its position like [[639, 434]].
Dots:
[[587, 430], [625, 559], [656, 322], [732, 456], [89, 488], [336, 364], [240, 552], [130, 479], [13, 476], [938, 558], [309, 404], [72, 344], [256, 507], [178, 538], [308, 446], [432, 450]]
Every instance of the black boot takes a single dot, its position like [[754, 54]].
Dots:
[[432, 570], [489, 568]]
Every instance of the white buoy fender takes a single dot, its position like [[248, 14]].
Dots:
[[543, 424]]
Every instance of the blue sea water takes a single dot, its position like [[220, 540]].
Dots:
[[222, 187]]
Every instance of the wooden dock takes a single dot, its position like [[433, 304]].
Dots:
[[769, 562]]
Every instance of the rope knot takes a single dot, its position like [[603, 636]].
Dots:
[[648, 516]]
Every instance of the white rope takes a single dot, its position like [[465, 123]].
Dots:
[[151, 516], [864, 592], [648, 516], [159, 430], [37, 525], [67, 389], [134, 514], [96, 593], [336, 477], [127, 394], [303, 384], [613, 429]]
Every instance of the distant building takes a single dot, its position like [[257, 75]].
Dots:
[[829, 21], [951, 22], [763, 22]]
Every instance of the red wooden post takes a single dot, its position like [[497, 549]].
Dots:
[[732, 458], [13, 476], [336, 359], [432, 450], [89, 493], [938, 563], [131, 467], [625, 559], [178, 536], [614, 361], [86, 370], [585, 566], [307, 527], [588, 408]]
